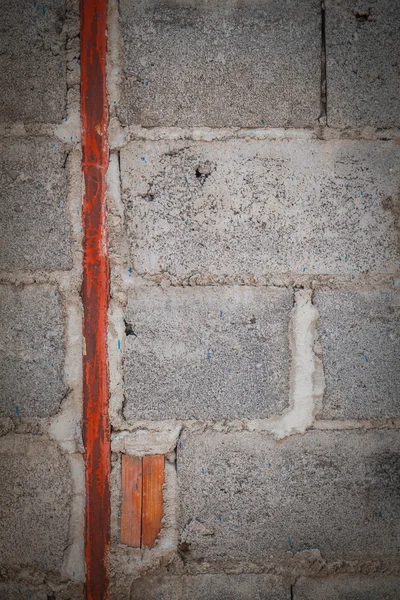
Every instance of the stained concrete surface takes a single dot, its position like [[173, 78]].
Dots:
[[246, 497]]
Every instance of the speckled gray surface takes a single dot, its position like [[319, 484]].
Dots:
[[35, 501], [34, 227], [360, 337], [224, 63], [33, 86], [207, 353], [32, 351], [210, 587], [347, 587], [240, 207], [363, 70], [244, 496]]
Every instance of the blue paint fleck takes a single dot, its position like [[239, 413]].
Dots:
[[130, 270], [219, 518], [269, 465], [203, 470], [304, 269], [66, 119], [220, 313], [17, 411], [292, 178], [346, 257], [208, 355], [144, 159], [119, 345], [146, 83], [180, 444], [262, 122], [361, 193], [366, 358], [137, 487], [380, 514], [229, 371]]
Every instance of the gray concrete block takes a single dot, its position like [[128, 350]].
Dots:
[[35, 502], [360, 337], [348, 587], [15, 592], [363, 71], [224, 63], [35, 233], [33, 84], [209, 587], [239, 207], [32, 351], [244, 496], [207, 353]]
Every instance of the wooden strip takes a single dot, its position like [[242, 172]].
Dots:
[[152, 508], [131, 518]]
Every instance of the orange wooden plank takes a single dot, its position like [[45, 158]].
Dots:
[[152, 509], [131, 519]]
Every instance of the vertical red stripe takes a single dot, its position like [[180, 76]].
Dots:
[[96, 429]]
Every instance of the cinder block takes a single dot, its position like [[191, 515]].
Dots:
[[221, 63], [239, 207], [209, 587], [33, 84], [360, 337], [207, 353], [363, 71], [15, 592], [35, 500], [244, 496], [35, 233], [32, 351], [348, 587]]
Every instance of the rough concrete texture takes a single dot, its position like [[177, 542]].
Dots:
[[240, 207], [346, 587], [32, 351], [32, 61], [223, 63], [12, 592], [210, 587], [34, 503], [244, 496], [207, 353], [363, 71], [35, 234], [360, 339]]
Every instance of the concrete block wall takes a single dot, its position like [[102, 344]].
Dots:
[[42, 487], [253, 206], [253, 197]]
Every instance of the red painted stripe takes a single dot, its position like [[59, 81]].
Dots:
[[96, 428]]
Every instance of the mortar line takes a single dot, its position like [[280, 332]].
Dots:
[[95, 296], [324, 85]]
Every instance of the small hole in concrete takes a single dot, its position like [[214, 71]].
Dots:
[[129, 328]]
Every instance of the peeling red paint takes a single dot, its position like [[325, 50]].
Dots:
[[96, 428]]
